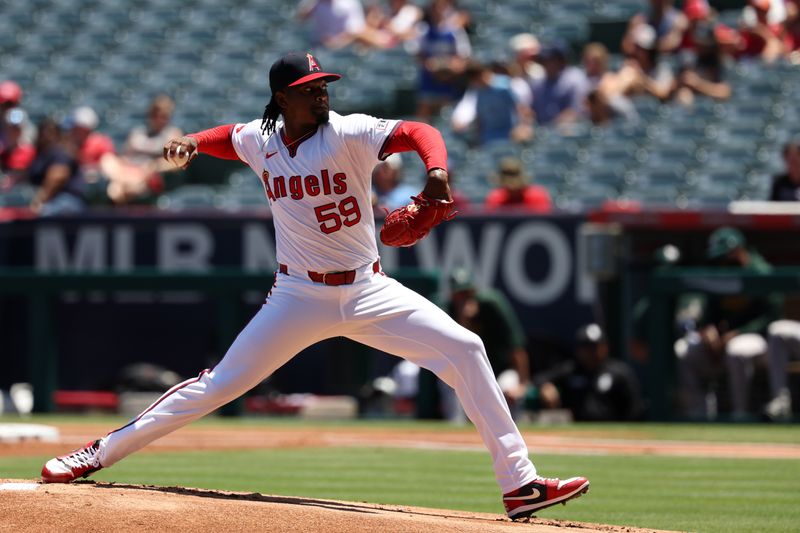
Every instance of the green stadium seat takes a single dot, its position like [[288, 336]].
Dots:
[[20, 195], [189, 197]]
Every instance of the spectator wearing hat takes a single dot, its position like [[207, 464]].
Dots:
[[55, 174], [695, 12], [669, 23], [786, 186], [491, 108], [591, 385], [87, 145], [515, 189], [11, 97], [791, 31], [389, 191], [702, 72], [761, 30], [16, 155], [558, 97], [729, 339]]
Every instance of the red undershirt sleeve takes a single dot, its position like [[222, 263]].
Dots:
[[216, 142], [421, 138]]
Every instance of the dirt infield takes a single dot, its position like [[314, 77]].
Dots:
[[90, 506]]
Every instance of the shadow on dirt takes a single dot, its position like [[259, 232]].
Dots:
[[288, 500]]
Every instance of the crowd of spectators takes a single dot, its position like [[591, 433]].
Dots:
[[673, 54], [64, 160]]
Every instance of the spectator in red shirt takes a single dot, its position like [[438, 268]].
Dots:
[[760, 37], [87, 145], [15, 154], [791, 31], [694, 13], [516, 191]]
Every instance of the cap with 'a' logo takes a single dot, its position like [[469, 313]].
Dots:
[[295, 68]]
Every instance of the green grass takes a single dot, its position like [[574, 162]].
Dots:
[[714, 495], [739, 433]]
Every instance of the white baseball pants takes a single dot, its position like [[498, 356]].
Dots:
[[783, 339], [375, 310]]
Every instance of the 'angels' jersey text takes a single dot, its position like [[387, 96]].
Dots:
[[299, 186], [320, 195]]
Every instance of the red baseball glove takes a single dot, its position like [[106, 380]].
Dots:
[[406, 225]]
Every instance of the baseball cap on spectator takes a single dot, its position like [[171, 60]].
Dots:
[[644, 36], [525, 42], [696, 9], [554, 49], [461, 280], [82, 117], [296, 68], [512, 173], [10, 93], [723, 241]]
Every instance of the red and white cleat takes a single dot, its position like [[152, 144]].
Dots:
[[542, 492], [78, 463]]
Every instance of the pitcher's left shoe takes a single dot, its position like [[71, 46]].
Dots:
[[78, 463], [542, 492]]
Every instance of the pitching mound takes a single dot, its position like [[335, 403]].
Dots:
[[28, 506]]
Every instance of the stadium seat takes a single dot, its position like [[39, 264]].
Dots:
[[20, 195], [188, 197]]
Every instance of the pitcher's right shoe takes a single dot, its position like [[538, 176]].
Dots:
[[542, 492], [78, 463]]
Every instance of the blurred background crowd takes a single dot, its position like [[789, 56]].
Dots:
[[546, 105]]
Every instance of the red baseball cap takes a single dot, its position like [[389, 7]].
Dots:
[[10, 92], [696, 9], [296, 68]]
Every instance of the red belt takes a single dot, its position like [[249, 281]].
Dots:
[[345, 277]]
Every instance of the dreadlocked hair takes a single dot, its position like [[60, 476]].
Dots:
[[270, 118]]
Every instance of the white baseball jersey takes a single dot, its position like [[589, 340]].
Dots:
[[320, 198], [323, 222]]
